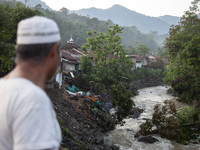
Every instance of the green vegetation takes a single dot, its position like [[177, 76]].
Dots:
[[184, 53], [111, 65], [9, 17], [142, 49], [110, 58], [143, 73], [183, 75], [182, 125], [122, 100]]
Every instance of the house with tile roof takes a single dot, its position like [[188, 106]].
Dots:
[[150, 61], [71, 56], [137, 60]]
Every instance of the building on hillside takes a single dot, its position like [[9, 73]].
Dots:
[[166, 62], [70, 45], [71, 56], [68, 62], [153, 61], [137, 60], [150, 61]]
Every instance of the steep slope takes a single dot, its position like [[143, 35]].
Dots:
[[82, 128], [125, 17]]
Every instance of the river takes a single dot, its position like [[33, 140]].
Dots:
[[123, 136]]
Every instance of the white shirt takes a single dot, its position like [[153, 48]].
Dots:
[[27, 118]]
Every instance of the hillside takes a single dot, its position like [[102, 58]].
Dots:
[[78, 26], [34, 3], [125, 17], [170, 19]]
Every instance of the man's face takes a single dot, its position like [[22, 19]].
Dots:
[[55, 61]]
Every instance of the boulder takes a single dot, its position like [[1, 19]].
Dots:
[[148, 139], [135, 112]]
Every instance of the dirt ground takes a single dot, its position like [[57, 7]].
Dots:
[[82, 127]]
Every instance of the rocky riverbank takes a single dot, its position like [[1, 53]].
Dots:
[[82, 127]]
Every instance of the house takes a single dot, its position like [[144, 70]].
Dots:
[[137, 60], [68, 62], [166, 62], [150, 61], [153, 61], [71, 56]]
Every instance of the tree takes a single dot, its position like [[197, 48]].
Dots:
[[38, 7], [8, 27], [111, 65], [142, 49], [162, 52], [132, 50], [184, 51], [64, 11], [109, 57]]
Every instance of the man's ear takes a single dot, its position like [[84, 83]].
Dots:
[[53, 52]]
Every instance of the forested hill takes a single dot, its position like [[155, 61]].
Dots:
[[78, 26], [33, 3], [125, 17]]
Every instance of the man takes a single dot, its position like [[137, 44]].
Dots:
[[28, 121]]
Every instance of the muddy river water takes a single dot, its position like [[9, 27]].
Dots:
[[123, 136]]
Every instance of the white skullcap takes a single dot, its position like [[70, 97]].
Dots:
[[37, 30]]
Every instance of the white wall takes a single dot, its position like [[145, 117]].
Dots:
[[68, 67], [138, 65]]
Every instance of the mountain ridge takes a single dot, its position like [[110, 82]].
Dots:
[[126, 17]]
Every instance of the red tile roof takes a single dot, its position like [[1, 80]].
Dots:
[[66, 55], [165, 61], [70, 45]]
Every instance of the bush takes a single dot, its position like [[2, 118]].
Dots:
[[142, 73], [187, 115], [121, 98], [181, 126]]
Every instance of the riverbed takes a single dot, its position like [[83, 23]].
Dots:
[[123, 136]]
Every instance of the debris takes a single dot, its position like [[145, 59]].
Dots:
[[71, 73], [71, 93], [59, 79], [73, 89], [88, 93], [107, 106]]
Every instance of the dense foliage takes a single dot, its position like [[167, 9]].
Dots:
[[10, 15], [110, 58], [144, 73], [110, 66], [182, 125], [122, 100], [184, 52]]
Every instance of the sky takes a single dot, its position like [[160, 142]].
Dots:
[[153, 8]]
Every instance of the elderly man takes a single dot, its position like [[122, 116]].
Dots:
[[28, 121]]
